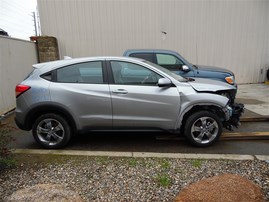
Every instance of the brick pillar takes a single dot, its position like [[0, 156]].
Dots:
[[47, 48]]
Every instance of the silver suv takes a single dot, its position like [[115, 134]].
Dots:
[[59, 99]]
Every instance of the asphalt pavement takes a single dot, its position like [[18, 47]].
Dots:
[[156, 142]]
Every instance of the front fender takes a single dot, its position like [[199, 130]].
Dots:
[[200, 99]]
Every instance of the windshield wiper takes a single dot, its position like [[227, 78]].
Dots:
[[190, 79], [195, 66], [187, 79]]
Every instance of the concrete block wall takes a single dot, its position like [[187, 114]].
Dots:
[[47, 48]]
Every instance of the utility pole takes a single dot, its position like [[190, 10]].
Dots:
[[35, 23]]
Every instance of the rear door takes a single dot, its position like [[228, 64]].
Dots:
[[83, 89], [137, 101]]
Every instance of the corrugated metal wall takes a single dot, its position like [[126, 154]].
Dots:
[[232, 34], [16, 59]]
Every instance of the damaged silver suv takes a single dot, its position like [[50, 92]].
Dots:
[[59, 99]]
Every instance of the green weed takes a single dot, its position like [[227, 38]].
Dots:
[[6, 159], [165, 164], [197, 163], [163, 180], [132, 162]]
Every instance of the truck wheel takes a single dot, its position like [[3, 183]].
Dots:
[[203, 128], [51, 131]]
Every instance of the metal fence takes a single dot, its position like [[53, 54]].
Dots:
[[16, 59]]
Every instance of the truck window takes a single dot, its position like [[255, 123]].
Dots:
[[169, 61], [145, 56]]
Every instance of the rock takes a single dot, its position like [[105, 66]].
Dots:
[[44, 193], [222, 188]]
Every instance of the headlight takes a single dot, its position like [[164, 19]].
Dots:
[[225, 95], [230, 79], [229, 111]]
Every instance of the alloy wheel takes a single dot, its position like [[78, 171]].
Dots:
[[204, 130], [50, 131]]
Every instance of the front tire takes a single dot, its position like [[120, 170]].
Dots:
[[51, 131], [203, 128]]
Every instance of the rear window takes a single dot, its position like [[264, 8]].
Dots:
[[145, 56]]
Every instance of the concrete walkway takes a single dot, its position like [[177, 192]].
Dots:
[[255, 97], [143, 154]]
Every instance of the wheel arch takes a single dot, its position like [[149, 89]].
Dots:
[[216, 109], [37, 111]]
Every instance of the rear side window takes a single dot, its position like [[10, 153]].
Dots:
[[145, 56], [88, 72]]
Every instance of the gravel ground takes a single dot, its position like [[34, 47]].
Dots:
[[124, 179]]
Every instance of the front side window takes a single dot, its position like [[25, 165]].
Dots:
[[169, 61], [88, 72], [133, 74]]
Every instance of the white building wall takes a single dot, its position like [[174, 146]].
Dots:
[[228, 33], [16, 59]]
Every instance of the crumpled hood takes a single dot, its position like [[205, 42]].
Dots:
[[215, 69], [209, 85]]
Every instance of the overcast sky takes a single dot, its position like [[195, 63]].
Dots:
[[16, 17]]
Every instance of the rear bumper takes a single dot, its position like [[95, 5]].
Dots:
[[21, 125]]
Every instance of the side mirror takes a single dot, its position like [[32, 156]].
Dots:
[[164, 82], [185, 68]]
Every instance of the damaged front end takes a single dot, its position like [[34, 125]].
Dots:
[[233, 114], [233, 110]]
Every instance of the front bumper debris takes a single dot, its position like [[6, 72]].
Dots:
[[234, 120]]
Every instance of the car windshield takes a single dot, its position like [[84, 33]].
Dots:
[[175, 76]]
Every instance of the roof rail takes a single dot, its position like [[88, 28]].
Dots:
[[67, 57]]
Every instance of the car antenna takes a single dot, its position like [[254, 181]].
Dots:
[[196, 50]]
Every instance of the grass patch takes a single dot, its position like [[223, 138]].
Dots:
[[132, 162], [102, 159], [165, 164], [163, 180], [197, 163], [7, 163], [41, 160], [6, 159]]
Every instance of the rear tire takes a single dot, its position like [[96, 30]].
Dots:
[[203, 128], [51, 131]]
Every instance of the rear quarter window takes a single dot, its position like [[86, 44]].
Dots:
[[145, 56], [88, 72]]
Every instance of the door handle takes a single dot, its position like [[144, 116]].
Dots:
[[120, 91]]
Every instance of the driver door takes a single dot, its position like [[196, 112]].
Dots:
[[137, 100]]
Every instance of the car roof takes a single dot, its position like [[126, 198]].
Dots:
[[60, 63]]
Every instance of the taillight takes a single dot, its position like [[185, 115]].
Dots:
[[20, 89]]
